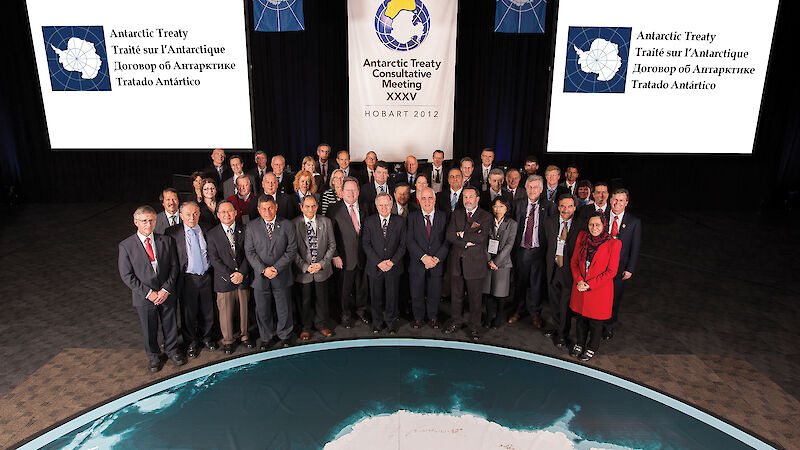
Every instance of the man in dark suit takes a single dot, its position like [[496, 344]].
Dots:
[[530, 244], [600, 196], [449, 199], [513, 179], [495, 190], [348, 217], [343, 161], [148, 265], [409, 173], [552, 190], [380, 184], [231, 275], [468, 234], [170, 216], [467, 166], [218, 171], [438, 172], [384, 242], [270, 247], [427, 249], [285, 179], [237, 170], [402, 205], [571, 179], [323, 165], [561, 231], [367, 175], [487, 159], [195, 288], [284, 202], [258, 172], [531, 167], [628, 229]]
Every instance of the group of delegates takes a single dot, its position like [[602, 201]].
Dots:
[[478, 235]]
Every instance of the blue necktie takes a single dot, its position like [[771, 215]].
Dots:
[[454, 200], [195, 255]]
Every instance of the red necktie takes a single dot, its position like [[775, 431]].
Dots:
[[615, 227], [149, 249], [354, 217], [428, 224], [469, 217]]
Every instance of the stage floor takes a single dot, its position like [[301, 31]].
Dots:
[[708, 318]]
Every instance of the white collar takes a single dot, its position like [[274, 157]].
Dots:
[[311, 221], [231, 227], [143, 237], [473, 211], [458, 192], [384, 218]]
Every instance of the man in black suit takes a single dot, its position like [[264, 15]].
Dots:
[[258, 172], [628, 229], [270, 247], [427, 249], [552, 190], [218, 171], [487, 159], [380, 184], [148, 265], [170, 216], [384, 242], [468, 234], [323, 165], [409, 173], [600, 196], [467, 166], [403, 205], [530, 244], [195, 288], [438, 173], [495, 190], [513, 180], [562, 231], [571, 179], [285, 179], [449, 199], [348, 217], [231, 275], [368, 174], [285, 202], [343, 161], [530, 168]]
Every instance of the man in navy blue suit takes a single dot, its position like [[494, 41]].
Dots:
[[628, 229]]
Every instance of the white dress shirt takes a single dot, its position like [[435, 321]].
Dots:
[[152, 244]]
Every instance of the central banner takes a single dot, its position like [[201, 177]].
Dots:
[[402, 67]]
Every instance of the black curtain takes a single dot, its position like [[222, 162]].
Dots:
[[299, 86]]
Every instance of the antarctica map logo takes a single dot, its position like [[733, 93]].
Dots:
[[597, 59], [402, 25], [76, 58]]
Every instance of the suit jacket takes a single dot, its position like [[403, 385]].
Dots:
[[330, 164], [326, 247], [176, 232], [431, 177], [137, 272], [506, 235], [478, 235], [277, 252], [229, 188], [211, 172], [348, 242], [477, 177], [585, 211], [286, 207], [378, 248], [552, 226], [226, 261], [419, 244], [295, 208], [546, 209], [560, 189], [411, 206], [443, 200], [519, 193], [597, 301], [368, 194], [403, 176], [486, 202], [162, 222], [254, 174], [630, 234], [564, 183]]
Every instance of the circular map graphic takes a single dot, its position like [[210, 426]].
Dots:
[[402, 25], [597, 59], [76, 58], [395, 394]]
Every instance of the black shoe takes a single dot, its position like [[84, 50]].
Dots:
[[178, 359], [211, 345], [249, 343], [452, 328], [284, 343], [549, 332], [227, 348], [193, 351], [376, 329], [265, 345], [586, 355], [365, 319], [347, 323], [417, 324], [560, 343], [608, 334], [154, 365], [435, 324], [576, 351], [393, 329], [473, 334]]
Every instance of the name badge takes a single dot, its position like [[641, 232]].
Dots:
[[494, 244], [560, 247]]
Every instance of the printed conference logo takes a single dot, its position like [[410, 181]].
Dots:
[[77, 58], [597, 59], [402, 25]]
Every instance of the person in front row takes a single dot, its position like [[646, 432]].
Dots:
[[468, 234], [562, 229], [270, 247], [427, 248], [594, 265], [501, 243], [384, 243], [315, 248], [231, 273], [148, 265]]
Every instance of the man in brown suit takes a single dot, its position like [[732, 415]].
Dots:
[[468, 234]]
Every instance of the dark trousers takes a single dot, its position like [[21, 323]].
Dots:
[[383, 291], [425, 301], [559, 293], [264, 318], [593, 328], [149, 314], [314, 305], [530, 268], [619, 288], [475, 293], [197, 306], [354, 293], [495, 314]]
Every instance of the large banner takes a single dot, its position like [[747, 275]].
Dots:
[[402, 65]]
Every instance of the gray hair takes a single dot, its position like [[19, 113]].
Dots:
[[278, 156], [144, 209], [188, 203], [532, 178], [381, 195], [330, 182], [497, 171]]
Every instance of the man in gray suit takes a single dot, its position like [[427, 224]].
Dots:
[[148, 265], [270, 247], [170, 216], [315, 248]]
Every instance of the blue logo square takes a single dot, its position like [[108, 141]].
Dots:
[[597, 59], [77, 58]]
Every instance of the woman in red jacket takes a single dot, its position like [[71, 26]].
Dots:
[[594, 264]]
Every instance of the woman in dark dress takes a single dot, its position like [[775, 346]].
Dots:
[[208, 206]]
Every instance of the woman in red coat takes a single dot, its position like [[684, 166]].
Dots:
[[594, 265]]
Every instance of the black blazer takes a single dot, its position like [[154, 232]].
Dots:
[[443, 200], [630, 234], [377, 248], [560, 189], [348, 243], [225, 261], [258, 188], [403, 176], [546, 209], [552, 227], [476, 254], [211, 172], [411, 206], [286, 209], [419, 244], [368, 193], [137, 272], [485, 202], [176, 232]]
